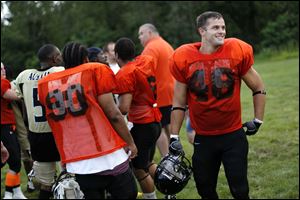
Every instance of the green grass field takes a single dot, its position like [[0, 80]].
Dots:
[[273, 168]]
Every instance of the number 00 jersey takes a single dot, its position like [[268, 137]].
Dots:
[[26, 84], [214, 82], [80, 127]]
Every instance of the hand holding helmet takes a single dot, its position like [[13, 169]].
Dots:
[[174, 170], [252, 126], [175, 147]]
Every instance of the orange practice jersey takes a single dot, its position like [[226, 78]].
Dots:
[[7, 115], [214, 83], [80, 127], [137, 77], [161, 51]]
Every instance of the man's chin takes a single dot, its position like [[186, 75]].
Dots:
[[219, 42]]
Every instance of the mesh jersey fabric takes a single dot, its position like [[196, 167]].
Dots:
[[214, 82]]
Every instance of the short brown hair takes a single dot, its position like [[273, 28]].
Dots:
[[202, 19]]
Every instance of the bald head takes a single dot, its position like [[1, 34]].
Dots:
[[149, 27], [146, 32]]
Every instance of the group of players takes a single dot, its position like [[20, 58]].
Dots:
[[101, 114]]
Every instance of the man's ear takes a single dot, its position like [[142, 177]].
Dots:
[[201, 31], [86, 59], [116, 55]]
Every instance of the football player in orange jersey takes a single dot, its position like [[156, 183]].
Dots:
[[9, 140], [160, 50], [90, 132], [136, 86], [208, 78]]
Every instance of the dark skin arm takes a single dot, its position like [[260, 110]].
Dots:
[[117, 121], [125, 102]]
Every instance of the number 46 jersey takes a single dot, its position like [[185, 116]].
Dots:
[[27, 86], [214, 83]]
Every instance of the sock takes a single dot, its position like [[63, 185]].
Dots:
[[12, 180], [8, 189], [151, 195]]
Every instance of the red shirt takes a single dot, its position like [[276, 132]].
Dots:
[[138, 78], [80, 127], [7, 114], [214, 83], [161, 51]]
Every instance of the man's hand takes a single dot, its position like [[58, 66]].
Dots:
[[175, 147], [252, 126], [131, 150], [4, 153]]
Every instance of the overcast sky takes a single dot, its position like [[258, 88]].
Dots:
[[4, 12]]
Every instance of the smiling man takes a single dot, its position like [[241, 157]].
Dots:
[[208, 78]]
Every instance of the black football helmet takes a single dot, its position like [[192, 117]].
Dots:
[[172, 173]]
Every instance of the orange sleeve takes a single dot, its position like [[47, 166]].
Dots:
[[125, 81], [247, 57], [178, 68], [105, 79], [5, 85]]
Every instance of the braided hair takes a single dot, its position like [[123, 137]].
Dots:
[[74, 54]]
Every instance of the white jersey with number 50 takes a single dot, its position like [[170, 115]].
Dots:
[[27, 82]]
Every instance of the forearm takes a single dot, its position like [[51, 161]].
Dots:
[[11, 95], [177, 118], [259, 101], [179, 105], [255, 83], [118, 123], [115, 117]]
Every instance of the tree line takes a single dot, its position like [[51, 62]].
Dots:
[[30, 24]]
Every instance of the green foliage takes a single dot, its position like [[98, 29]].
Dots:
[[263, 24], [273, 38]]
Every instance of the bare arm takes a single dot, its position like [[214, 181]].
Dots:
[[125, 102], [255, 83], [117, 121], [11, 95], [179, 100]]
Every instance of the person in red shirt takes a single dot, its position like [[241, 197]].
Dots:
[[160, 50], [90, 132], [136, 86], [9, 140], [208, 76]]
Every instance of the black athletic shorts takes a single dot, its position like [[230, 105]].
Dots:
[[10, 141], [166, 115], [43, 147], [145, 137]]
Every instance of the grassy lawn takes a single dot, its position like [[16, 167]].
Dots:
[[273, 169]]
